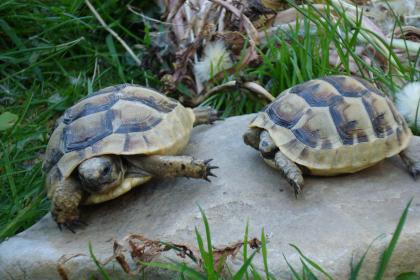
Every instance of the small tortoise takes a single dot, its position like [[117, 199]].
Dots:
[[116, 139], [329, 126]]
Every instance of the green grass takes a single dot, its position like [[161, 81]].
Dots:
[[308, 270], [52, 53]]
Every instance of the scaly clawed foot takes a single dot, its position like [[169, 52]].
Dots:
[[208, 170], [71, 225], [414, 170], [205, 115], [412, 164], [297, 188], [67, 217]]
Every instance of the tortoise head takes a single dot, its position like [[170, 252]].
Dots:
[[101, 174]]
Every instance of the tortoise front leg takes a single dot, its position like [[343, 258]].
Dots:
[[412, 164], [173, 166], [276, 159], [290, 171], [65, 204]]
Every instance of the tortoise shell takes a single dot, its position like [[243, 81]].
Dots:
[[121, 120], [333, 125]]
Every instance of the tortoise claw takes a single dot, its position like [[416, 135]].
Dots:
[[214, 115], [414, 173], [72, 225], [412, 165], [208, 170], [211, 174], [80, 223], [414, 170], [297, 189]]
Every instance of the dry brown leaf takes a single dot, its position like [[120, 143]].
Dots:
[[410, 33], [119, 256], [142, 250], [249, 27], [60, 265]]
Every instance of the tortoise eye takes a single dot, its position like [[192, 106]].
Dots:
[[106, 170]]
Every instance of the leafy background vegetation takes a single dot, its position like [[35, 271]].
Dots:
[[52, 53]]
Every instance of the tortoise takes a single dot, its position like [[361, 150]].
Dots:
[[329, 126], [114, 140]]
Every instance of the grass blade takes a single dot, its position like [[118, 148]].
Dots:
[[386, 256], [295, 275], [245, 247], [244, 268], [407, 276], [307, 272], [356, 269], [311, 262], [264, 254], [104, 274], [177, 267], [210, 260]]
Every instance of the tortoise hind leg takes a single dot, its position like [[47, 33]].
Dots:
[[173, 166], [412, 164], [205, 115]]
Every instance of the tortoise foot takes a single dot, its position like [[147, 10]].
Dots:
[[412, 164], [205, 115], [66, 219], [71, 225], [414, 170], [297, 187], [207, 168]]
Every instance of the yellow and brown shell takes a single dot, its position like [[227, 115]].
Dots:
[[334, 125], [121, 120]]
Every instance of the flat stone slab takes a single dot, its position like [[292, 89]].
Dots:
[[335, 219]]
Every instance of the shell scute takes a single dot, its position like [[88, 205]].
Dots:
[[352, 124], [380, 115], [287, 111], [310, 133], [346, 86], [89, 106], [77, 135], [127, 118], [318, 94]]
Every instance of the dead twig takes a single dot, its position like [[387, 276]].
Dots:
[[113, 33], [251, 86]]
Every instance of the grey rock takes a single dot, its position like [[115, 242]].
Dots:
[[335, 220]]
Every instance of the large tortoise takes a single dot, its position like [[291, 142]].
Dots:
[[116, 139], [329, 126]]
